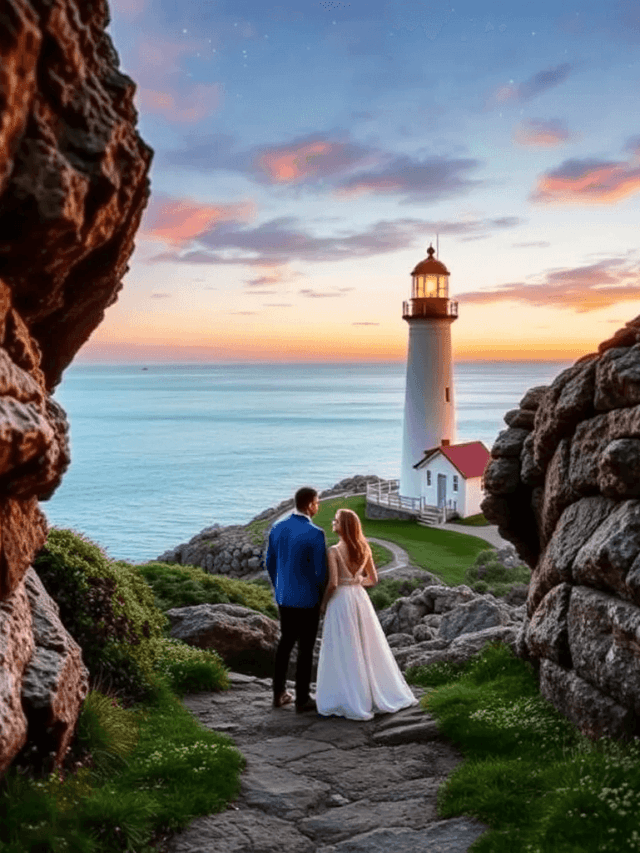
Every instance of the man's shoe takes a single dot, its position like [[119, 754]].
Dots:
[[282, 699], [306, 707]]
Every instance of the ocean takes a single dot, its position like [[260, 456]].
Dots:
[[160, 451]]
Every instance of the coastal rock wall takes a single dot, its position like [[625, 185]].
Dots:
[[73, 185], [564, 486]]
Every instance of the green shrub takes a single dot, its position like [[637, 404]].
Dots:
[[488, 574], [388, 590], [181, 586], [107, 607], [190, 670]]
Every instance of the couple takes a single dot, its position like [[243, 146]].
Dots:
[[357, 673]]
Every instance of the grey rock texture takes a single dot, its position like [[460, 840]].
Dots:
[[73, 187], [327, 785], [572, 509], [245, 640]]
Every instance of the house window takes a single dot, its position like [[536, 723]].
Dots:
[[446, 395], [428, 478], [455, 482]]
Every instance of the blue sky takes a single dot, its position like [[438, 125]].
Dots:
[[307, 153]]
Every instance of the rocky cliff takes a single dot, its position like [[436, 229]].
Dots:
[[73, 185], [564, 486]]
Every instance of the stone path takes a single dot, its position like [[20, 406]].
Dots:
[[326, 785], [489, 533]]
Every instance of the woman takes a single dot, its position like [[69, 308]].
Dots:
[[357, 673]]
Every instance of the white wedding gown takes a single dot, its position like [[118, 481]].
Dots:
[[357, 673]]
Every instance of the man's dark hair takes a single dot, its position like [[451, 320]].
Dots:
[[304, 496]]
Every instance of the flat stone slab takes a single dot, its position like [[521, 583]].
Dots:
[[278, 792], [317, 784], [286, 748], [447, 836], [361, 817], [414, 733], [244, 831]]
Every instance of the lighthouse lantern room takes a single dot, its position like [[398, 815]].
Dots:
[[429, 413]]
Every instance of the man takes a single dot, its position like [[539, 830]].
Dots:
[[297, 565]]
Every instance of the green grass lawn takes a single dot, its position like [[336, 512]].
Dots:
[[528, 774], [443, 552]]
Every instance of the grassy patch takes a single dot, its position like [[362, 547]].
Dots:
[[183, 586], [528, 773], [443, 552], [257, 531], [487, 574], [149, 771], [473, 521]]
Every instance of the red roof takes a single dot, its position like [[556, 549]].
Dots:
[[470, 459]]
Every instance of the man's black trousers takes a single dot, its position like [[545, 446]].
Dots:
[[297, 624]]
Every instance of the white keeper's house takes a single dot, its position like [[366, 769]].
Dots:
[[438, 478], [452, 476]]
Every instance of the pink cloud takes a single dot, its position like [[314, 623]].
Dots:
[[184, 108], [308, 159], [178, 221], [588, 182], [540, 133], [532, 87], [581, 289]]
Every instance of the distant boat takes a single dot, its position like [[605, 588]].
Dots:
[[145, 368]]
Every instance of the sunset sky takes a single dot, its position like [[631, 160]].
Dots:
[[307, 153]]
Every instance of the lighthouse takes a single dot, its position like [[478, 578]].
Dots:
[[429, 413]]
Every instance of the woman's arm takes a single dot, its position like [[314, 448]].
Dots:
[[368, 572], [332, 583]]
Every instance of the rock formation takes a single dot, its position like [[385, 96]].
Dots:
[[564, 486], [234, 550], [73, 185], [435, 623]]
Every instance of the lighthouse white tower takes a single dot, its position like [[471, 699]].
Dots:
[[429, 413]]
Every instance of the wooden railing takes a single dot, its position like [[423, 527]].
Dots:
[[386, 493]]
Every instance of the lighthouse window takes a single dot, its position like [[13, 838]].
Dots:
[[428, 478], [455, 483], [447, 395]]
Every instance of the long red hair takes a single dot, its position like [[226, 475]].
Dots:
[[351, 530]]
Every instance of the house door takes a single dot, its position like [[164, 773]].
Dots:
[[442, 489]]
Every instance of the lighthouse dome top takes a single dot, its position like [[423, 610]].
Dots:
[[430, 266]]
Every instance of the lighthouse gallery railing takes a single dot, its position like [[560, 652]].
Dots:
[[435, 307]]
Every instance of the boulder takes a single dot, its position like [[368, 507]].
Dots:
[[592, 711], [16, 649], [462, 649], [547, 631], [574, 515], [245, 640], [474, 616], [55, 681], [604, 639]]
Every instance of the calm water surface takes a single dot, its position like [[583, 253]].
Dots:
[[159, 453]]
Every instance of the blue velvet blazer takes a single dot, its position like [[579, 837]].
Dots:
[[297, 561]]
